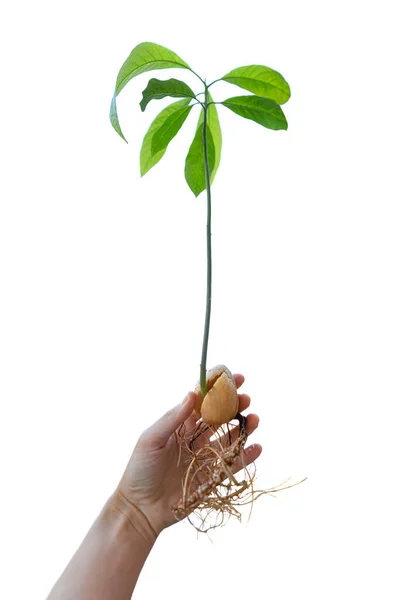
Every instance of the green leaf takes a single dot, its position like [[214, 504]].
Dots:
[[264, 111], [169, 129], [215, 128], [114, 118], [194, 165], [260, 80], [147, 159], [157, 89], [144, 57]]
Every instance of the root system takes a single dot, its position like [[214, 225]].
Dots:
[[211, 493]]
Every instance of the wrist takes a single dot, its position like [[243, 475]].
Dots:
[[130, 518]]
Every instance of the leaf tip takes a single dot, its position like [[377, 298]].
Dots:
[[121, 135]]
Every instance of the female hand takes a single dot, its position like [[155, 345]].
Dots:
[[152, 481]]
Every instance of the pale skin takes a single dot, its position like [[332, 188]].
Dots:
[[108, 563]]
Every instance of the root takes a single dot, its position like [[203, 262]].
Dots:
[[211, 494]]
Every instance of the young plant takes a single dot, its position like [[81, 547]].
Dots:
[[217, 401]]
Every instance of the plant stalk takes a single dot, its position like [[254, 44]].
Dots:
[[203, 367]]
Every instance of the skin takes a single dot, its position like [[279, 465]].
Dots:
[[108, 563]]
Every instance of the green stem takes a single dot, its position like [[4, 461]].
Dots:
[[212, 83], [203, 370], [198, 76]]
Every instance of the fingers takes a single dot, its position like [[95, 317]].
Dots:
[[250, 454], [238, 379], [244, 402], [158, 434]]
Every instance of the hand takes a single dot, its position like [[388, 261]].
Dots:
[[152, 481]]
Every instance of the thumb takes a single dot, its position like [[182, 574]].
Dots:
[[159, 433]]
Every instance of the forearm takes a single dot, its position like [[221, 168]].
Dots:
[[108, 563]]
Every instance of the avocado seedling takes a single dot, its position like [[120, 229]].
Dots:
[[209, 485]]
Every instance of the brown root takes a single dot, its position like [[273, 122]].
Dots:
[[211, 493]]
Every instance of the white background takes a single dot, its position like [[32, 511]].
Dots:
[[103, 289]]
